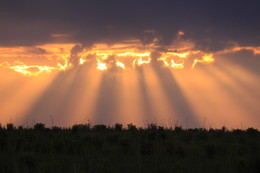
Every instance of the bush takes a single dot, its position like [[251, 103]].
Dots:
[[10, 126], [152, 126], [252, 131], [80, 127], [178, 129], [118, 127], [99, 127], [39, 126], [131, 127]]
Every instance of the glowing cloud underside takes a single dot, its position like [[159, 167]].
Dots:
[[125, 55], [128, 54]]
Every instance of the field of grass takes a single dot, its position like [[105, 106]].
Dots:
[[86, 148]]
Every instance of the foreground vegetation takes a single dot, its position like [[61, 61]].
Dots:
[[84, 148]]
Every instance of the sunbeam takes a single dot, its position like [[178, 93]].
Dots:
[[129, 82]]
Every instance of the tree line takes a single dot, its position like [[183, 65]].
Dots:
[[102, 148]]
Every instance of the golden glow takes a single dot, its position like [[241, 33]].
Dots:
[[82, 61], [120, 64], [140, 61], [172, 64], [255, 50], [175, 60], [123, 55], [33, 61], [31, 70], [4, 64], [181, 55], [150, 97], [180, 33], [207, 59], [159, 96], [134, 54], [101, 65], [129, 53], [65, 66], [177, 66]]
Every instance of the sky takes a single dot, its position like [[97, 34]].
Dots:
[[169, 62]]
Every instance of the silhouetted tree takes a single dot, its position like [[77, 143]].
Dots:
[[118, 127], [152, 126], [131, 127], [99, 127], [252, 131], [81, 128], [10, 126], [39, 127], [178, 129]]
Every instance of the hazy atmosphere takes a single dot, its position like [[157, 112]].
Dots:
[[171, 63]]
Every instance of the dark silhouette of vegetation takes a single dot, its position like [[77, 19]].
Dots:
[[10, 126], [118, 127], [39, 127], [101, 148], [131, 127]]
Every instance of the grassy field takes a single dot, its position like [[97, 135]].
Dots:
[[86, 148]]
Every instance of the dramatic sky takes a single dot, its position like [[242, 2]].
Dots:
[[170, 62]]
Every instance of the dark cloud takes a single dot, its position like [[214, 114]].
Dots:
[[74, 55], [36, 50], [210, 24]]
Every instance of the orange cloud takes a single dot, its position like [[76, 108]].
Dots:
[[181, 54]]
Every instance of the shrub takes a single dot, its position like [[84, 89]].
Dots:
[[131, 127], [99, 127], [80, 127], [10, 126], [39, 126], [118, 127], [252, 131], [152, 126], [178, 129]]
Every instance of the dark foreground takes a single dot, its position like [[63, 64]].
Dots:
[[105, 149]]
